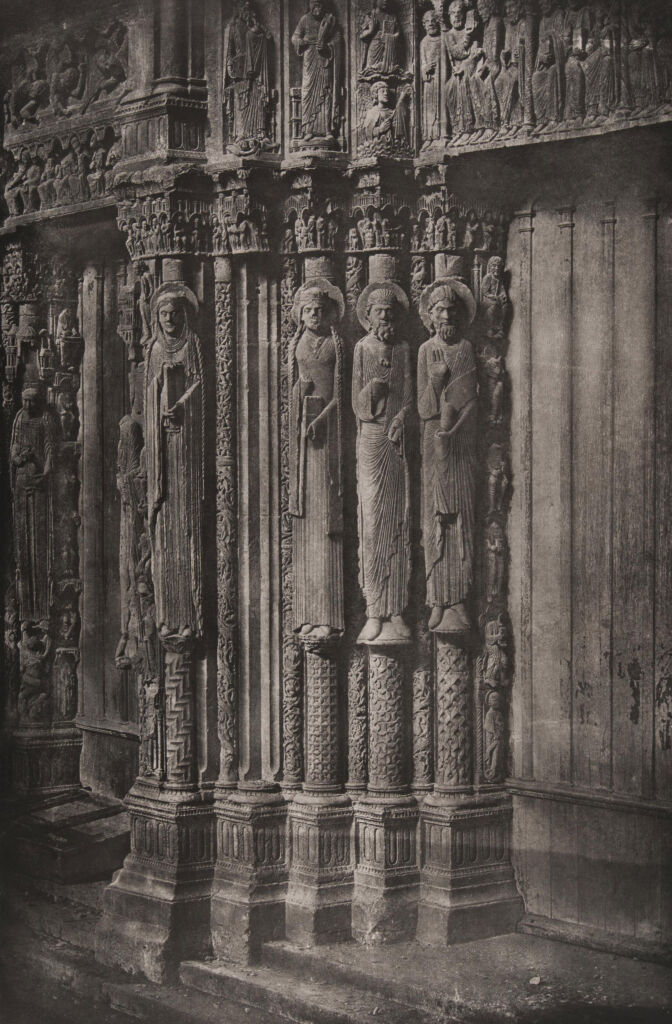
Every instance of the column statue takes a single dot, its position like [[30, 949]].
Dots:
[[174, 446], [32, 454], [381, 399], [447, 400], [315, 472], [317, 39]]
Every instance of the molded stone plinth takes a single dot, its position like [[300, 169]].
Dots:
[[319, 897], [156, 909], [384, 906], [250, 884], [467, 886], [45, 760]]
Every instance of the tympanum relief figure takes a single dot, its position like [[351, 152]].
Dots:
[[32, 454], [463, 51], [447, 399], [174, 452], [318, 41], [384, 127], [248, 81], [315, 473], [382, 402], [432, 74]]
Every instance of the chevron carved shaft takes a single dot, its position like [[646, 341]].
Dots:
[[180, 725], [453, 717]]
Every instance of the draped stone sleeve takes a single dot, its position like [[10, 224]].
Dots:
[[365, 409], [428, 395]]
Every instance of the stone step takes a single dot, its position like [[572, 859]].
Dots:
[[292, 997]]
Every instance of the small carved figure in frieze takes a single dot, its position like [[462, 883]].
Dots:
[[46, 358], [494, 736], [67, 81], [96, 171], [384, 127], [487, 69], [492, 380], [498, 478], [464, 54], [174, 446], [29, 92], [248, 82], [495, 306], [640, 69], [383, 42], [600, 66], [32, 454], [431, 55], [447, 396], [382, 402], [495, 543], [69, 341], [429, 234], [16, 184], [34, 703], [472, 230], [316, 450], [548, 80], [494, 663], [318, 40], [577, 31], [45, 189]]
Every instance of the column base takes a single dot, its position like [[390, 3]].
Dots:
[[156, 909], [319, 896], [385, 898], [467, 886], [250, 883]]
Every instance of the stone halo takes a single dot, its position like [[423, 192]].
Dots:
[[363, 300], [462, 291], [179, 290], [325, 287]]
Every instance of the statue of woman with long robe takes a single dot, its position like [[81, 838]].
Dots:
[[32, 455], [447, 395], [382, 401], [315, 471], [174, 451]]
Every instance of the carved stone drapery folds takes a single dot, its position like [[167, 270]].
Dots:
[[43, 352]]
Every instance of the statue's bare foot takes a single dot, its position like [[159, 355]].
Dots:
[[436, 616], [371, 630], [400, 628], [452, 622]]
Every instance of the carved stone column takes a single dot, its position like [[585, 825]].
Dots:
[[320, 817], [247, 905]]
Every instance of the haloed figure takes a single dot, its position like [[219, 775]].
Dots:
[[316, 493], [447, 394]]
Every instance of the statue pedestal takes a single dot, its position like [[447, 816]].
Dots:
[[156, 911], [250, 883], [467, 888]]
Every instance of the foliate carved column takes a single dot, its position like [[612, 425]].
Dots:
[[227, 529], [358, 724], [423, 717], [454, 769]]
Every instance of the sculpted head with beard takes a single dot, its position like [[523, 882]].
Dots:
[[382, 314]]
